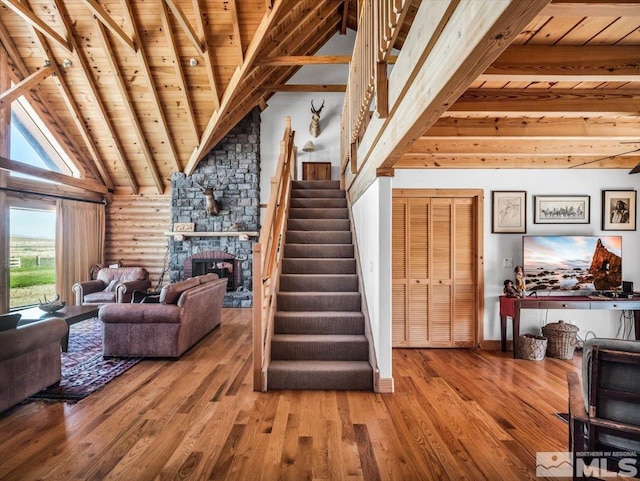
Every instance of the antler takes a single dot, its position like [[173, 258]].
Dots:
[[317, 111]]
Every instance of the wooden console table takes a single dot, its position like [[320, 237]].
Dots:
[[511, 306]]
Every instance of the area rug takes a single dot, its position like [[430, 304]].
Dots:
[[84, 370]]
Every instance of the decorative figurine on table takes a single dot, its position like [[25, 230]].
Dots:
[[509, 290], [521, 286]]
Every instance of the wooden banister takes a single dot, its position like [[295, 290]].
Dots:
[[267, 257]]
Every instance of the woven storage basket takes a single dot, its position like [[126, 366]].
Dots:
[[562, 339], [532, 347]]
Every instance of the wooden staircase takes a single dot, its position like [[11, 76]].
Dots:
[[319, 340]]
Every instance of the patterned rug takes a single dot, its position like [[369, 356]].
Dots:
[[83, 368]]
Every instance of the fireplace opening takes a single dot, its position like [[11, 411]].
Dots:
[[221, 268], [216, 262]]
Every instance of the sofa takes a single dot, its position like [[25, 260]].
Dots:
[[30, 359], [186, 311], [112, 284]]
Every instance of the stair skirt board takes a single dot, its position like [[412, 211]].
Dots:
[[333, 375], [318, 340]]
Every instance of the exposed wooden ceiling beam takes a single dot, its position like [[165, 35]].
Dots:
[[536, 63], [49, 175], [129, 107], [173, 49], [33, 20], [236, 31], [541, 128], [417, 161], [345, 17], [581, 102], [303, 88], [239, 75], [153, 91], [299, 60], [186, 26], [102, 15], [24, 86], [208, 54], [509, 146], [97, 98], [591, 8], [474, 36]]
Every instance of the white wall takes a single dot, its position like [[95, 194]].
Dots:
[[372, 224], [499, 246], [298, 107]]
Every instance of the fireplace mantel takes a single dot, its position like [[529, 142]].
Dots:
[[182, 235]]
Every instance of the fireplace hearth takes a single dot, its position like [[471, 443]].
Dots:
[[216, 262]]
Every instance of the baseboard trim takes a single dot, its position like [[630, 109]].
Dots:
[[384, 385], [496, 345]]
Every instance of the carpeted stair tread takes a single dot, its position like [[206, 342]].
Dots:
[[332, 375], [318, 202], [323, 347], [302, 265], [319, 224], [319, 301], [319, 322], [318, 250], [318, 237], [315, 184], [320, 213], [317, 193], [318, 282]]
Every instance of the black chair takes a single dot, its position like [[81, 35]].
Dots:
[[604, 415]]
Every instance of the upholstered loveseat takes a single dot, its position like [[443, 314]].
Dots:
[[30, 359], [112, 284], [186, 312]]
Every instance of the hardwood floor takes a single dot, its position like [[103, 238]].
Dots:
[[456, 414]]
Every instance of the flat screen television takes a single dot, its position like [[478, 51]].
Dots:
[[572, 263]]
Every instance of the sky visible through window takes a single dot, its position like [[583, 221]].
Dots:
[[32, 223]]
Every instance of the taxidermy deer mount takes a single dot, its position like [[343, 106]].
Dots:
[[314, 128], [213, 206]]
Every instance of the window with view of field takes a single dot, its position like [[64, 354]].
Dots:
[[32, 249]]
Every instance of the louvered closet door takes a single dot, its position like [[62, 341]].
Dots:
[[433, 272]]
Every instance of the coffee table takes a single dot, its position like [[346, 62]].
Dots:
[[70, 314]]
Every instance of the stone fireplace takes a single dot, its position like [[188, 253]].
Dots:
[[217, 243]]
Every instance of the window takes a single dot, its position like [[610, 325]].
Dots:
[[32, 255]]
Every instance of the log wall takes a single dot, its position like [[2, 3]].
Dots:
[[135, 232]]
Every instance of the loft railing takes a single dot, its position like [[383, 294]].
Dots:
[[379, 24], [267, 258]]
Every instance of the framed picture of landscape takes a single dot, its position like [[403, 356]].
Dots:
[[561, 209], [509, 212], [618, 210]]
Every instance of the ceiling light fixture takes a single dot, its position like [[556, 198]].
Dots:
[[66, 63], [193, 61]]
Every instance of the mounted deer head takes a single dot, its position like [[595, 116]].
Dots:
[[314, 128], [213, 206]]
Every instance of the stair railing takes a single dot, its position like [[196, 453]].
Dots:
[[267, 258]]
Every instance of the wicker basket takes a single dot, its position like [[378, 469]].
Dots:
[[532, 347], [562, 339]]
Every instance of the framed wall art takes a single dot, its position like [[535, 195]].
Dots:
[[509, 212], [561, 209], [618, 210]]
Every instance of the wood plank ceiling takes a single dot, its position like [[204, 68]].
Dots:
[[152, 85]]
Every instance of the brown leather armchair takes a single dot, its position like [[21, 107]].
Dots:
[[112, 284]]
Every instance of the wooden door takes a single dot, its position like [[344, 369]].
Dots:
[[435, 271], [316, 171]]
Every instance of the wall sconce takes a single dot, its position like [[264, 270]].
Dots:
[[66, 63], [309, 147], [193, 61]]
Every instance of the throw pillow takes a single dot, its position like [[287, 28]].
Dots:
[[9, 321], [113, 285]]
